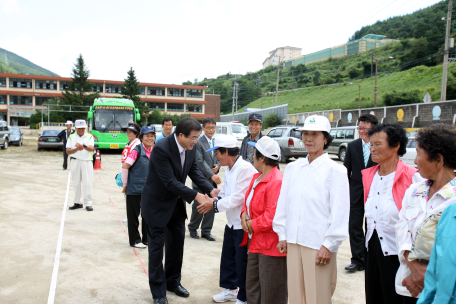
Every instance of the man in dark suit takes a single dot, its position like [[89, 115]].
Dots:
[[357, 158], [163, 205], [209, 166], [64, 135]]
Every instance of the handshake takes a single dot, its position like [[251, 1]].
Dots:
[[206, 203]]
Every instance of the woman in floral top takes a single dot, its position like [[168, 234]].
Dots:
[[424, 203]]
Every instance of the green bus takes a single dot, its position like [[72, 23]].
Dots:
[[108, 120]]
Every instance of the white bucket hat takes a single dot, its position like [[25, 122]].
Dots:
[[80, 123], [224, 141], [316, 123], [268, 147], [69, 122]]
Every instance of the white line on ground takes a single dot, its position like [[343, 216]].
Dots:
[[55, 271]]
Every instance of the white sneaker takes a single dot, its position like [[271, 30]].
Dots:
[[226, 295], [240, 302], [140, 245]]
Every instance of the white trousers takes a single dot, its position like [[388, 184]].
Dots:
[[82, 176]]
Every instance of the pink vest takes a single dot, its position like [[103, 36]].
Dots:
[[402, 181]]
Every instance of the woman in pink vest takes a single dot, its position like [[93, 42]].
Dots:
[[384, 189]]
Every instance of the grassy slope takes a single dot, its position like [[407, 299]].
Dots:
[[20, 65], [345, 96]]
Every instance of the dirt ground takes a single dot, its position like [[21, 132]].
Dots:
[[96, 263]]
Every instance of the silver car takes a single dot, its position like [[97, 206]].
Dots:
[[409, 156], [289, 139], [49, 139], [342, 136], [4, 135]]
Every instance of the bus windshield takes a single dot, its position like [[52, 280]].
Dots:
[[107, 120]]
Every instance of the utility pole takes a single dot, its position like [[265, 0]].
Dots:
[[375, 92], [372, 64], [235, 95], [292, 80], [278, 76], [445, 57]]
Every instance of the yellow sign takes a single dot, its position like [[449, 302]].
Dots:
[[114, 146], [400, 115], [293, 119], [331, 117], [113, 108]]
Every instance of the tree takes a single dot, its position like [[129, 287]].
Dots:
[[79, 91], [131, 90], [271, 120], [316, 78], [328, 80], [188, 82], [353, 73]]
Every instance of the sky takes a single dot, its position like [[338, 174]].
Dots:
[[178, 40]]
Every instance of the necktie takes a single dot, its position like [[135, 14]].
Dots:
[[210, 145], [366, 153], [182, 156]]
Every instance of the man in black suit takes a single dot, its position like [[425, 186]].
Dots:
[[209, 166], [64, 135], [163, 205], [357, 158]]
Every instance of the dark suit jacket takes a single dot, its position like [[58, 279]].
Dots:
[[205, 160], [63, 136], [165, 183], [354, 162]]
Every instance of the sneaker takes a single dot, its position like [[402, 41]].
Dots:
[[140, 245], [240, 302], [226, 295]]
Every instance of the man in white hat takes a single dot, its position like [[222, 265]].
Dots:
[[80, 147], [238, 175], [64, 135]]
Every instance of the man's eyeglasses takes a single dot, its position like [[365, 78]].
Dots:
[[209, 128], [194, 139], [363, 129]]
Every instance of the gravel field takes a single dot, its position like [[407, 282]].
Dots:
[[96, 263]]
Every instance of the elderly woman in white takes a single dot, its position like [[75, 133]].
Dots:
[[423, 204], [312, 217]]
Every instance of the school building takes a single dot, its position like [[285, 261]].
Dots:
[[21, 95]]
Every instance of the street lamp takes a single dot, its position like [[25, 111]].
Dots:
[[376, 69], [359, 98]]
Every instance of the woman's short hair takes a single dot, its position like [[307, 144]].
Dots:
[[439, 139], [396, 136], [329, 139], [231, 151], [136, 126], [268, 161]]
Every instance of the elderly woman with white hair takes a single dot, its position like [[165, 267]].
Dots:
[[312, 217]]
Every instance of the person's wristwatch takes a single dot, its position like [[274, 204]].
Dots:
[[214, 204]]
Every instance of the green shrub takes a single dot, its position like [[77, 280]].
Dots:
[[271, 120], [395, 98]]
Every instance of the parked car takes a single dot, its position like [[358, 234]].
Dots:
[[16, 136], [289, 139], [231, 128], [49, 139], [342, 136], [4, 135], [409, 156], [158, 129]]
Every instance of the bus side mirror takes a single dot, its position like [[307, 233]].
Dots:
[[138, 116], [90, 115]]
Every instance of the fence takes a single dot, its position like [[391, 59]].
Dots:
[[281, 111]]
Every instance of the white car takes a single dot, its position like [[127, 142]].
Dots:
[[409, 157]]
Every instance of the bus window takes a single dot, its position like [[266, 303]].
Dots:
[[106, 120]]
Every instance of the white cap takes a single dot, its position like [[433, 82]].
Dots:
[[316, 123], [268, 147], [80, 123], [224, 141], [69, 122]]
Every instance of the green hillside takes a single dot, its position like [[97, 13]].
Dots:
[[418, 45], [12, 63]]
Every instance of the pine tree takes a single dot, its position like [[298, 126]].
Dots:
[[131, 90], [79, 91]]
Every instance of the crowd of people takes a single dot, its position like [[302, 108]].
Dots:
[[283, 231]]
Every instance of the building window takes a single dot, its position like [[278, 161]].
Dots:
[[175, 92], [21, 100], [194, 107], [64, 85], [143, 90], [20, 83], [179, 107], [46, 84], [194, 93], [156, 106], [2, 99], [113, 88], [2, 82], [97, 87], [40, 100], [156, 91]]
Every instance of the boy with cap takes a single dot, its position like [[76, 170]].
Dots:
[[255, 124], [231, 199], [80, 146], [64, 135]]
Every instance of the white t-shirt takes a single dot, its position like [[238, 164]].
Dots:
[[86, 139]]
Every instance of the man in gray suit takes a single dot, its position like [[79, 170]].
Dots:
[[209, 165]]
